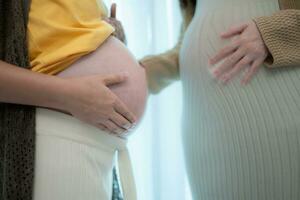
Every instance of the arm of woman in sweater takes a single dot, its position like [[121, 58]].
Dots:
[[88, 97], [273, 40], [281, 35], [163, 69]]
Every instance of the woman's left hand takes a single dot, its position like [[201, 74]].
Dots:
[[247, 51]]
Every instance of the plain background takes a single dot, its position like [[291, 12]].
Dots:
[[152, 26]]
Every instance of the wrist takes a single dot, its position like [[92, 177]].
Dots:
[[59, 94]]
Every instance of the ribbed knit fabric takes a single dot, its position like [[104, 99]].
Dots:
[[240, 143], [163, 69]]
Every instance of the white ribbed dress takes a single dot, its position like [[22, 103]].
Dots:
[[241, 143]]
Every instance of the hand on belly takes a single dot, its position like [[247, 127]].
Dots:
[[247, 51], [110, 58]]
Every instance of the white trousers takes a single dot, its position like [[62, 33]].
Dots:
[[74, 160]]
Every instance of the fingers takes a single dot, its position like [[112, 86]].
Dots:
[[115, 79], [102, 127], [113, 11], [236, 69], [251, 72], [234, 31], [121, 121], [228, 63], [224, 52], [122, 109], [113, 128]]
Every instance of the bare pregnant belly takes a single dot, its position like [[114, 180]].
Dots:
[[113, 57]]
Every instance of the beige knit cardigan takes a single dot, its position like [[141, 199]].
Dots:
[[280, 32]]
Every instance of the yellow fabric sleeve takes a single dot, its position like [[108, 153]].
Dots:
[[60, 32]]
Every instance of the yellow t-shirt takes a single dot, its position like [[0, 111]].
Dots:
[[61, 31]]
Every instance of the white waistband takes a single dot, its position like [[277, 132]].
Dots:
[[50, 122], [53, 123]]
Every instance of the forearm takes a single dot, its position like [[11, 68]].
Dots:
[[161, 70], [22, 86]]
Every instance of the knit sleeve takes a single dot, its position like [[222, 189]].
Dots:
[[281, 34], [163, 69]]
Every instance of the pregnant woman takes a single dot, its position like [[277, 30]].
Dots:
[[84, 112], [241, 142]]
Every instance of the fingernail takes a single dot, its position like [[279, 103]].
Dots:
[[131, 129], [127, 126], [224, 80], [119, 132], [134, 122], [216, 72]]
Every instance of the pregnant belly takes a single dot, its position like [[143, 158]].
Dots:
[[241, 142], [112, 57], [270, 97]]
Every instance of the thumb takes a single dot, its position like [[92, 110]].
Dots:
[[115, 79], [113, 11]]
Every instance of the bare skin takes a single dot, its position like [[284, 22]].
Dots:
[[87, 98], [247, 51], [110, 58]]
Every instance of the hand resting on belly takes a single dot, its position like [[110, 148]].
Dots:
[[112, 57]]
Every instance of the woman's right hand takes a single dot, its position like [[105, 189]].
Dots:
[[90, 100], [87, 98]]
